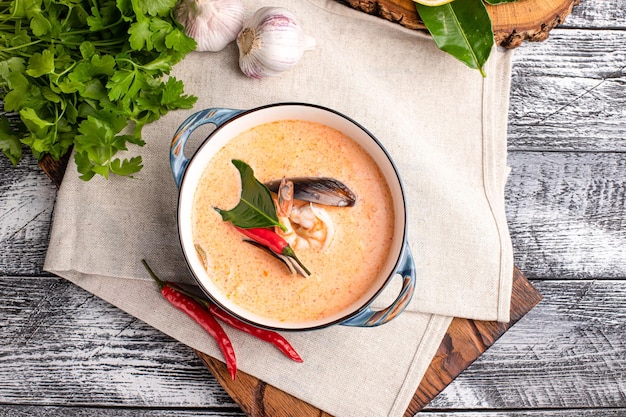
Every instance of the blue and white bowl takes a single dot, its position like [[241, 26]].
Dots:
[[228, 124]]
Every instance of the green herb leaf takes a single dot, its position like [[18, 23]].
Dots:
[[180, 42], [255, 207], [40, 25], [91, 67], [15, 65], [140, 35], [172, 95], [20, 93], [9, 142], [127, 167], [155, 7], [33, 122], [461, 28], [84, 166], [41, 64]]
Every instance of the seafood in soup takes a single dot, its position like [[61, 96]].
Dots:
[[344, 243]]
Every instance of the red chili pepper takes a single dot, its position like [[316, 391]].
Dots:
[[267, 237], [200, 315], [272, 240], [190, 302], [269, 336], [266, 335]]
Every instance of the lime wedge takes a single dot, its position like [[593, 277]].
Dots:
[[432, 2]]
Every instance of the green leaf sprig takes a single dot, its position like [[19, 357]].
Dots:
[[255, 207], [77, 72], [462, 28], [256, 211]]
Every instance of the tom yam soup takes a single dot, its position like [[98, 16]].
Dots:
[[343, 248]]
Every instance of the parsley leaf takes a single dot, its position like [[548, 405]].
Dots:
[[41, 64], [140, 35], [127, 167], [155, 7], [9, 141]]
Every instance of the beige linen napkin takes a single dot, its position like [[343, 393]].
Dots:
[[444, 126]]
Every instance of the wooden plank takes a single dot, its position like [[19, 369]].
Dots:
[[55, 411], [544, 172], [570, 93], [574, 53], [55, 169], [593, 14], [540, 170], [567, 214], [68, 347], [599, 412], [25, 212], [63, 345], [578, 115], [568, 352]]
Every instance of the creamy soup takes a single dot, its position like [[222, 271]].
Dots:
[[341, 272]]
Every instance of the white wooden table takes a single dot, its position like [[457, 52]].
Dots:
[[64, 352]]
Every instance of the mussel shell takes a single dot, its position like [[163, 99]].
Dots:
[[321, 190]]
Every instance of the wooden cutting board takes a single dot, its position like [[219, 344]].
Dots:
[[462, 344], [513, 23]]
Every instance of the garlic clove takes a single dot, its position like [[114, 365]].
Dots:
[[271, 42], [213, 24]]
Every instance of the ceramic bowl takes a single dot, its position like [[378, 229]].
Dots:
[[228, 124]]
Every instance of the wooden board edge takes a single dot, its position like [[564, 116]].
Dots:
[[513, 23], [257, 398], [466, 340], [512, 34], [54, 169], [463, 343]]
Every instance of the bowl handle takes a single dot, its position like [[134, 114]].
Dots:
[[178, 160], [371, 318]]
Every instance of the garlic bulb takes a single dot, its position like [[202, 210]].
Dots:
[[271, 42], [213, 24]]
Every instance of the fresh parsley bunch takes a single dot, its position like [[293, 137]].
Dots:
[[76, 73]]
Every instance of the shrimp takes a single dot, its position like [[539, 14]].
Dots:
[[308, 225]]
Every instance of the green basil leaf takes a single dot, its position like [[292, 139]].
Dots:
[[461, 28], [255, 207]]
